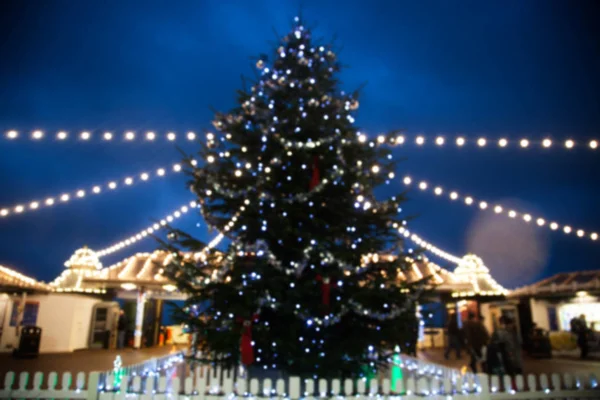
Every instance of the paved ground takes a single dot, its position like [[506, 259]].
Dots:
[[530, 366], [78, 361]]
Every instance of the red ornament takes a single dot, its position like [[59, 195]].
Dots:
[[316, 176], [325, 289], [246, 349]]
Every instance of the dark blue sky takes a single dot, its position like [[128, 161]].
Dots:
[[493, 68]]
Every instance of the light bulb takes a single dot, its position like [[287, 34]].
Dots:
[[407, 180], [423, 185], [553, 226], [12, 134], [483, 205], [594, 236], [210, 159], [129, 136], [107, 136], [540, 221], [61, 135], [37, 135], [460, 141], [481, 142], [362, 138], [593, 144], [400, 139], [527, 217], [420, 140], [380, 139], [524, 143], [160, 171], [569, 144], [439, 141], [191, 136], [150, 136], [512, 214], [468, 200], [238, 173], [171, 136], [502, 142], [438, 190], [453, 195], [375, 169], [546, 143], [567, 229]]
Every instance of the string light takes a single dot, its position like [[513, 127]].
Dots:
[[147, 231], [428, 246], [65, 197], [419, 140], [498, 209]]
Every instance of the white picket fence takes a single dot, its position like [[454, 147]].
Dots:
[[420, 380]]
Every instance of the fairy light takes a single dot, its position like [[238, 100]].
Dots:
[[177, 213], [419, 139], [500, 210], [429, 247], [66, 197]]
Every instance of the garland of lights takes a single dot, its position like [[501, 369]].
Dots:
[[498, 209], [417, 139], [81, 193]]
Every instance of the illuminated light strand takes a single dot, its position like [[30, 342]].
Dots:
[[90, 136], [500, 210], [177, 213], [429, 247], [419, 140], [148, 231], [66, 197]]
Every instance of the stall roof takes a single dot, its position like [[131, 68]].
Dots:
[[564, 283], [13, 281]]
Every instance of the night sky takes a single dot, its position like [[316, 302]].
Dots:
[[480, 68]]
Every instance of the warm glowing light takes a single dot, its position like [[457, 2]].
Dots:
[[546, 143], [375, 169], [407, 180], [129, 136], [61, 135], [553, 226], [171, 136], [593, 144], [423, 185], [468, 200], [453, 195], [438, 191], [128, 181], [12, 134], [483, 205], [107, 136], [502, 142], [238, 173], [512, 214], [420, 140], [569, 144], [527, 218], [85, 136], [481, 142], [191, 136], [567, 229], [460, 141], [540, 221], [150, 136], [439, 141], [524, 143], [37, 135]]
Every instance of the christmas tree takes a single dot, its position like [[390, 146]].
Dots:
[[311, 283]]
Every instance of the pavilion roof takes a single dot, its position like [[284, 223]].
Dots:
[[562, 283], [11, 280]]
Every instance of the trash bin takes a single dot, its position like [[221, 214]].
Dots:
[[29, 342]]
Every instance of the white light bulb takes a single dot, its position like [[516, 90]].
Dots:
[[567, 229], [362, 138], [546, 143], [96, 189], [540, 221], [107, 136], [553, 226], [423, 185], [391, 175], [12, 134], [380, 139], [210, 136], [407, 180], [128, 181], [375, 169], [80, 193], [34, 205], [4, 212], [65, 197], [594, 236], [210, 159], [129, 136], [580, 233], [512, 214], [176, 167], [112, 185], [438, 191], [569, 144], [400, 139], [19, 209], [49, 201], [460, 141], [191, 136], [468, 200], [420, 140], [483, 205], [527, 217], [160, 171], [171, 136], [61, 135], [481, 142], [502, 142], [439, 141], [453, 195], [37, 135], [238, 173], [144, 176], [150, 135], [524, 143], [593, 144]]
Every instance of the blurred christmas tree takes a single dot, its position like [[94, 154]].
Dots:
[[308, 285]]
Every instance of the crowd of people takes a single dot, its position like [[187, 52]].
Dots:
[[498, 353]]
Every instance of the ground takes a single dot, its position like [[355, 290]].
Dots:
[[79, 361], [560, 364]]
